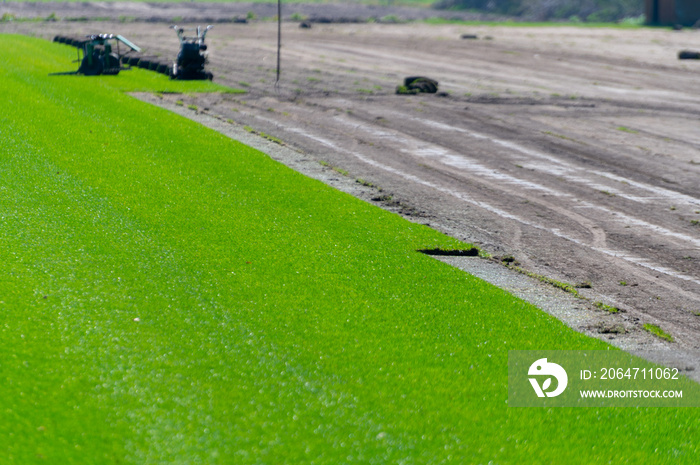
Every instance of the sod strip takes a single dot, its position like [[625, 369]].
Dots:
[[168, 295]]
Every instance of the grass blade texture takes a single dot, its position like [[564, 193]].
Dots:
[[168, 295]]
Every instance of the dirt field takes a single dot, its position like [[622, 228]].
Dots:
[[574, 151]]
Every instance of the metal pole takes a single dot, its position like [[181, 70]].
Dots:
[[279, 38]]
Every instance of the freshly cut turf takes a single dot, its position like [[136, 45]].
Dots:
[[168, 295]]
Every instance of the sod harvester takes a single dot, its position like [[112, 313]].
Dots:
[[100, 56], [192, 56]]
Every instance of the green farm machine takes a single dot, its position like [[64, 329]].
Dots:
[[192, 56], [101, 53]]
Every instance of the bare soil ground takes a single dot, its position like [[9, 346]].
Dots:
[[574, 152]]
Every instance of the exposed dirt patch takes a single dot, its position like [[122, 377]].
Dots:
[[574, 151]]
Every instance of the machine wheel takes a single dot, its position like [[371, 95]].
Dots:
[[93, 69], [112, 64]]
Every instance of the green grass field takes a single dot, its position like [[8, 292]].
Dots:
[[168, 295]]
